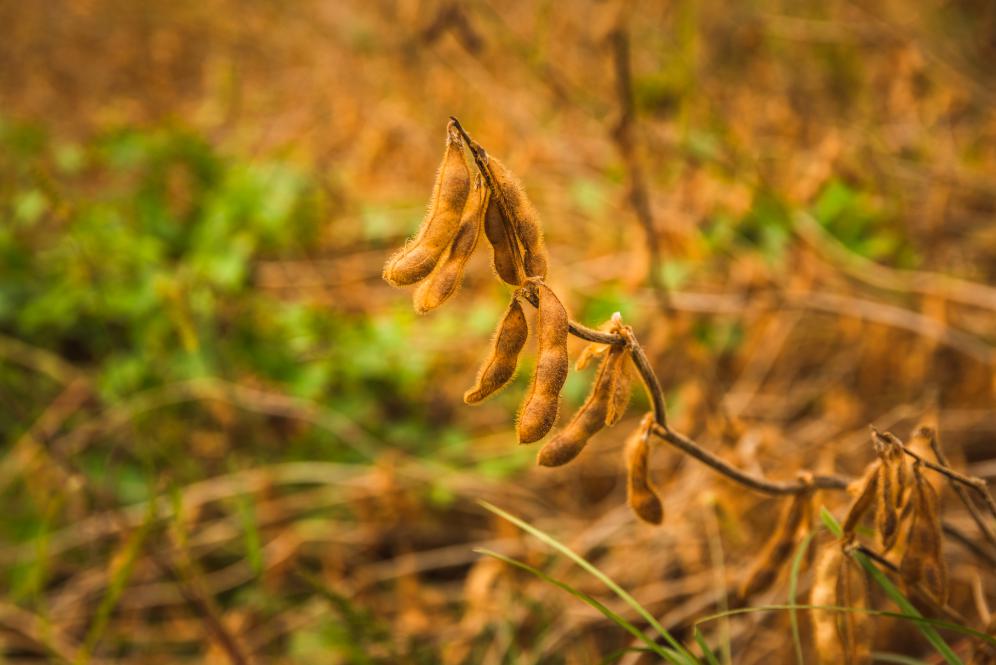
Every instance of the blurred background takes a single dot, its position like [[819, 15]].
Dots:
[[226, 440]]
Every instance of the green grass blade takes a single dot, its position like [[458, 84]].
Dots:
[[619, 653], [589, 600], [250, 527], [706, 651], [895, 594], [800, 553], [123, 564], [598, 574]]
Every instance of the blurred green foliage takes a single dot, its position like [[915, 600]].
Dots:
[[132, 256]]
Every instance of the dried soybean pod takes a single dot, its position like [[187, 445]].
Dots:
[[499, 367], [419, 256], [855, 628], [570, 441], [590, 352], [445, 279], [864, 500], [888, 490], [639, 494], [778, 548], [525, 220], [824, 594], [506, 256], [922, 562], [621, 387], [539, 410]]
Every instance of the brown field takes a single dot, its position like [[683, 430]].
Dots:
[[224, 438]]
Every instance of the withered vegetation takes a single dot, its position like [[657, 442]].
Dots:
[[224, 439]]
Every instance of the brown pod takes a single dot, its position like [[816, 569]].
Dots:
[[499, 367], [640, 495], [570, 441], [889, 490], [922, 562], [864, 500], [823, 594], [506, 256], [445, 279], [525, 220], [621, 387], [591, 351], [539, 410], [854, 628], [778, 548], [419, 256]]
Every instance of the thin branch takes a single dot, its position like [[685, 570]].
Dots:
[[762, 485], [973, 510], [648, 376]]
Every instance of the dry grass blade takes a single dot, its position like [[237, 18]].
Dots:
[[922, 562]]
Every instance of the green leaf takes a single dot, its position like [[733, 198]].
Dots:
[[800, 553]]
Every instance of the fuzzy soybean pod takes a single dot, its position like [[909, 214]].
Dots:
[[539, 410], [620, 389], [570, 441], [445, 279], [823, 594], [639, 494], [922, 562], [506, 256], [524, 219], [419, 256], [854, 628], [499, 367]]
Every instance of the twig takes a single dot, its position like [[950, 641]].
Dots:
[[648, 376], [623, 136], [969, 543], [686, 445], [984, 526]]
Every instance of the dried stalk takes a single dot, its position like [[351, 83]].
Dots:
[[973, 510], [626, 144]]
